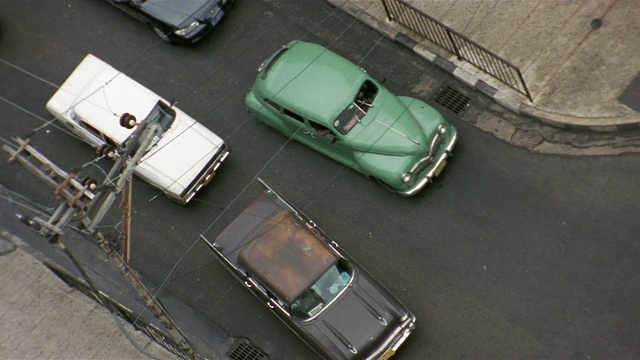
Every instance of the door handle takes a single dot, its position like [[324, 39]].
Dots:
[[311, 134]]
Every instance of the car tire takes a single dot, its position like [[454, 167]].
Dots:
[[161, 34]]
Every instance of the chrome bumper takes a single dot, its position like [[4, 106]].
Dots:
[[205, 176], [406, 329], [435, 169]]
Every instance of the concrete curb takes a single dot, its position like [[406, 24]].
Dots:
[[49, 320], [467, 74]]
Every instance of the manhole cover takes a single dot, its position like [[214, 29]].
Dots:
[[243, 350], [452, 99]]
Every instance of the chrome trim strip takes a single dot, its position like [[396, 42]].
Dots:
[[397, 338], [205, 175]]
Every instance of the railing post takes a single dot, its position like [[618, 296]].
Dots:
[[464, 48], [453, 44], [386, 9], [524, 84]]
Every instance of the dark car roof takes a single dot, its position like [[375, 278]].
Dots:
[[286, 256]]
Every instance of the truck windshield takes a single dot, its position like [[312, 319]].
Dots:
[[312, 301]]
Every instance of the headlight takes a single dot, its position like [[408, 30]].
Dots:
[[260, 67], [442, 129], [406, 177], [186, 30]]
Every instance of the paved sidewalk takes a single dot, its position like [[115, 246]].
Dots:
[[42, 318], [578, 58]]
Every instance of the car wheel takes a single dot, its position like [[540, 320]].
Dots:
[[161, 34]]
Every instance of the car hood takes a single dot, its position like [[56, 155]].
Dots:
[[390, 128], [180, 154], [175, 12], [359, 321]]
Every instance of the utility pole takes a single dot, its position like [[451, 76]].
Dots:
[[87, 201]]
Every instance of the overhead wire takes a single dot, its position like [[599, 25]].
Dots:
[[225, 209], [51, 122], [244, 122]]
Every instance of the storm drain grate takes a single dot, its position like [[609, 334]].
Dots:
[[452, 99], [243, 350]]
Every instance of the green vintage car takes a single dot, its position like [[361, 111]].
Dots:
[[331, 105]]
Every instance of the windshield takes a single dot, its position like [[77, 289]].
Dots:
[[162, 114], [357, 109], [312, 301]]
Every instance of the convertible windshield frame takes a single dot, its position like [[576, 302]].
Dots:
[[358, 108], [164, 115], [323, 292]]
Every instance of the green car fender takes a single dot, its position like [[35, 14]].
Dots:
[[382, 167], [428, 117]]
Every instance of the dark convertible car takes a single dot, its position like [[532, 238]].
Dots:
[[310, 283], [183, 21]]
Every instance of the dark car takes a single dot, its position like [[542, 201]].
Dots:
[[310, 283], [176, 21]]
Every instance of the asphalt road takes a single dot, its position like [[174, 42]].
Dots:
[[508, 255]]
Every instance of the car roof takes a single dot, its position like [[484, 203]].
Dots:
[[286, 256], [312, 80]]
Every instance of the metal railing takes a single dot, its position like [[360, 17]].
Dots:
[[464, 48]]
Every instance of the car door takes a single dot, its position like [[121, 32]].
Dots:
[[309, 132], [327, 142]]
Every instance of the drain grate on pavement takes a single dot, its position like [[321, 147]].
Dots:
[[242, 349], [452, 100]]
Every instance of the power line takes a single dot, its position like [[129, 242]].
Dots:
[[177, 264], [173, 269]]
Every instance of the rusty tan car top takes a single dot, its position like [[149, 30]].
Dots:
[[286, 256]]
